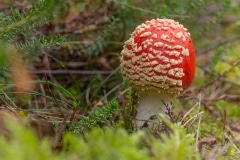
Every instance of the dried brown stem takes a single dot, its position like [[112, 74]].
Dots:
[[60, 72]]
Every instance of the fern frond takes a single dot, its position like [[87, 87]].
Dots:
[[33, 46], [97, 117], [12, 25]]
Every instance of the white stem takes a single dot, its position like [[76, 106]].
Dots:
[[150, 106]]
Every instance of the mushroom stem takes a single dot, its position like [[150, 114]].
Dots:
[[149, 107]]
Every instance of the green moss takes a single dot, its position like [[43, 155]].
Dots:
[[231, 109], [211, 128], [23, 144]]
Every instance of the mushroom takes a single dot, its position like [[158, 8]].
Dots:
[[158, 61]]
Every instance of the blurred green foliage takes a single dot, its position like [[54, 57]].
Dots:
[[23, 144], [101, 144]]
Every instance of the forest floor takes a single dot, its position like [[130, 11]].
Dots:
[[84, 69]]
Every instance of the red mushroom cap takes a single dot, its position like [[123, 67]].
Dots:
[[159, 57]]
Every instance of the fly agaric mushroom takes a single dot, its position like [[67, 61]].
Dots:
[[158, 61]]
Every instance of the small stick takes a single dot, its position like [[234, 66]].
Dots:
[[199, 121]]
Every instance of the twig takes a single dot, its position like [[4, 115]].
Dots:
[[234, 65], [216, 45], [228, 81], [216, 153], [233, 144], [192, 120], [44, 98], [199, 121], [86, 72], [188, 112]]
